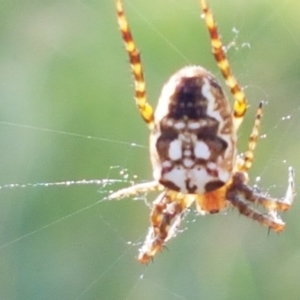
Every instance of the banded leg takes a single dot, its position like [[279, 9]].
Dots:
[[271, 220], [249, 154], [144, 107], [238, 193], [240, 104], [168, 211]]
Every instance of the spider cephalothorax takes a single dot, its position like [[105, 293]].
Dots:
[[193, 146]]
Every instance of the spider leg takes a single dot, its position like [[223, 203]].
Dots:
[[144, 107], [168, 210], [240, 104], [247, 160], [238, 193], [134, 190], [238, 183], [271, 220]]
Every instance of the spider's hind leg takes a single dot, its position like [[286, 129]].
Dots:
[[246, 161], [144, 107], [240, 103]]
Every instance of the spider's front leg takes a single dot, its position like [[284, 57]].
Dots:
[[241, 195], [168, 210]]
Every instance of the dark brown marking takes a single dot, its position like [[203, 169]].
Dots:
[[163, 142], [213, 185], [188, 100], [217, 147], [210, 129], [170, 185], [189, 188]]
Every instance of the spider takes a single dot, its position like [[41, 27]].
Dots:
[[193, 146]]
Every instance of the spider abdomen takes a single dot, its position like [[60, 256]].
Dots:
[[193, 143]]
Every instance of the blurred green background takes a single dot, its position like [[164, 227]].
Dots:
[[67, 113]]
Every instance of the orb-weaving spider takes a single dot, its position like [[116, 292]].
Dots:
[[193, 134]]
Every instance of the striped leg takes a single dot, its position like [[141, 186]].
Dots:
[[249, 154], [240, 195], [168, 210], [240, 104], [144, 107]]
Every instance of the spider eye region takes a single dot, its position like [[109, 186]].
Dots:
[[193, 145]]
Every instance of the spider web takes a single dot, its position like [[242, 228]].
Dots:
[[71, 134]]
